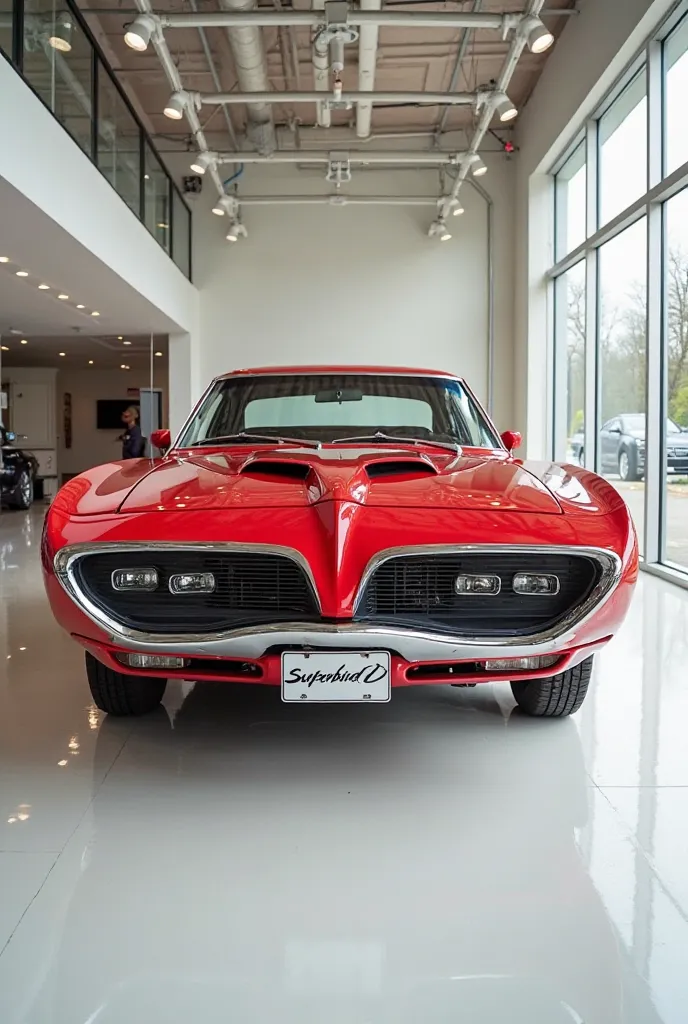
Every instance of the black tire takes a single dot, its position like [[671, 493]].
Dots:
[[121, 695], [628, 464], [557, 696], [23, 492]]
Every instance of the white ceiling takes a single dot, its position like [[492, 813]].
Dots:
[[84, 351]]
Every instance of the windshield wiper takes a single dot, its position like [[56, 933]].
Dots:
[[379, 436], [245, 438]]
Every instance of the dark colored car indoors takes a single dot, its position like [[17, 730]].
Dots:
[[17, 473]]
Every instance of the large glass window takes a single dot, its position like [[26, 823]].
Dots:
[[570, 358], [119, 153], [570, 196], [623, 150], [622, 328], [676, 362], [675, 91], [6, 27], [58, 66]]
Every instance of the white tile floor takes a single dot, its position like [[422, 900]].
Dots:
[[439, 859]]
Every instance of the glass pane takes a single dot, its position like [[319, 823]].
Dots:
[[57, 64], [181, 228], [623, 150], [157, 188], [675, 92], [676, 357], [118, 142], [570, 200], [6, 26], [622, 333], [570, 364]]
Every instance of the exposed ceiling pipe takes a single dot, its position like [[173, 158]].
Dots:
[[304, 156], [391, 19], [321, 64], [460, 57], [338, 200], [505, 75], [367, 59], [175, 83], [246, 43], [214, 75], [433, 99]]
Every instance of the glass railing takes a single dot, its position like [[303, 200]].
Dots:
[[52, 47]]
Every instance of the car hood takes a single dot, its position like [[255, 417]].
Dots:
[[366, 476]]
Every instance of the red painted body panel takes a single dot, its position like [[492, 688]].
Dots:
[[406, 371], [335, 511]]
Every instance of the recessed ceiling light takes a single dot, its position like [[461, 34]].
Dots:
[[22, 273], [44, 287], [146, 177], [123, 366], [24, 341], [15, 330], [95, 313], [90, 362], [4, 259], [63, 353], [4, 348], [81, 306], [126, 343], [63, 296], [119, 337], [158, 353]]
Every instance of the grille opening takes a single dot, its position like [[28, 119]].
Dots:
[[251, 588], [287, 470], [418, 591], [400, 467]]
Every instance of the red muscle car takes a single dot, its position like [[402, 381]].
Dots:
[[338, 532]]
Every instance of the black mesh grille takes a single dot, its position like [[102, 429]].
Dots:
[[250, 589], [418, 591]]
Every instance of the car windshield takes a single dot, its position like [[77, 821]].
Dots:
[[326, 407], [637, 422]]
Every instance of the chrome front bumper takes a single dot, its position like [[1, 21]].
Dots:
[[252, 642]]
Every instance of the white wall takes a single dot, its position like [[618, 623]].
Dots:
[[589, 56], [91, 446], [316, 284]]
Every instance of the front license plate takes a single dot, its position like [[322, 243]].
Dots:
[[336, 678]]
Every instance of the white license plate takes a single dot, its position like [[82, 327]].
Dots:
[[326, 677]]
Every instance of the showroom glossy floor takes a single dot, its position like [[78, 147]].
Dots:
[[438, 859]]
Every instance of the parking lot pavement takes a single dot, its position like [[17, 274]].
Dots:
[[676, 512]]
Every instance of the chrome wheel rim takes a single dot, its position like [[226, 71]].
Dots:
[[623, 466], [25, 488]]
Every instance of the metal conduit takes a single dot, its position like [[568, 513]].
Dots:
[[338, 201], [419, 98], [300, 156], [389, 19]]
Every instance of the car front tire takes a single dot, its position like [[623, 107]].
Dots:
[[120, 694], [628, 464], [556, 697], [23, 492]]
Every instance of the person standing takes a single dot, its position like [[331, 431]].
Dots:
[[133, 442]]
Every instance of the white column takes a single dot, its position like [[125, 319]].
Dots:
[[185, 386]]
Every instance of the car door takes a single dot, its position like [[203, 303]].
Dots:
[[610, 435], [8, 469]]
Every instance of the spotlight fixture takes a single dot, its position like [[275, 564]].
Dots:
[[176, 105], [478, 167], [504, 107], [22, 273], [539, 38], [138, 35], [95, 313], [62, 296], [44, 287], [438, 229], [224, 205], [61, 38], [457, 208], [80, 305], [236, 231], [202, 162], [4, 259]]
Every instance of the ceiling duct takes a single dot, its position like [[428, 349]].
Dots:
[[252, 73]]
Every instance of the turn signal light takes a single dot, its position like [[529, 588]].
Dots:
[[534, 583], [135, 579], [521, 664], [477, 585], [152, 661]]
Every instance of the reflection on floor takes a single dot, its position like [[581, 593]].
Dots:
[[439, 859]]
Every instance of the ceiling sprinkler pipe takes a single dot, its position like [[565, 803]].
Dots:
[[391, 19], [433, 99], [339, 200], [434, 158]]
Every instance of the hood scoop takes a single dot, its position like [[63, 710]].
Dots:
[[284, 469], [402, 467]]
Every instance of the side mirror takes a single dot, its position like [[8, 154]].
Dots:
[[511, 439], [161, 440]]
